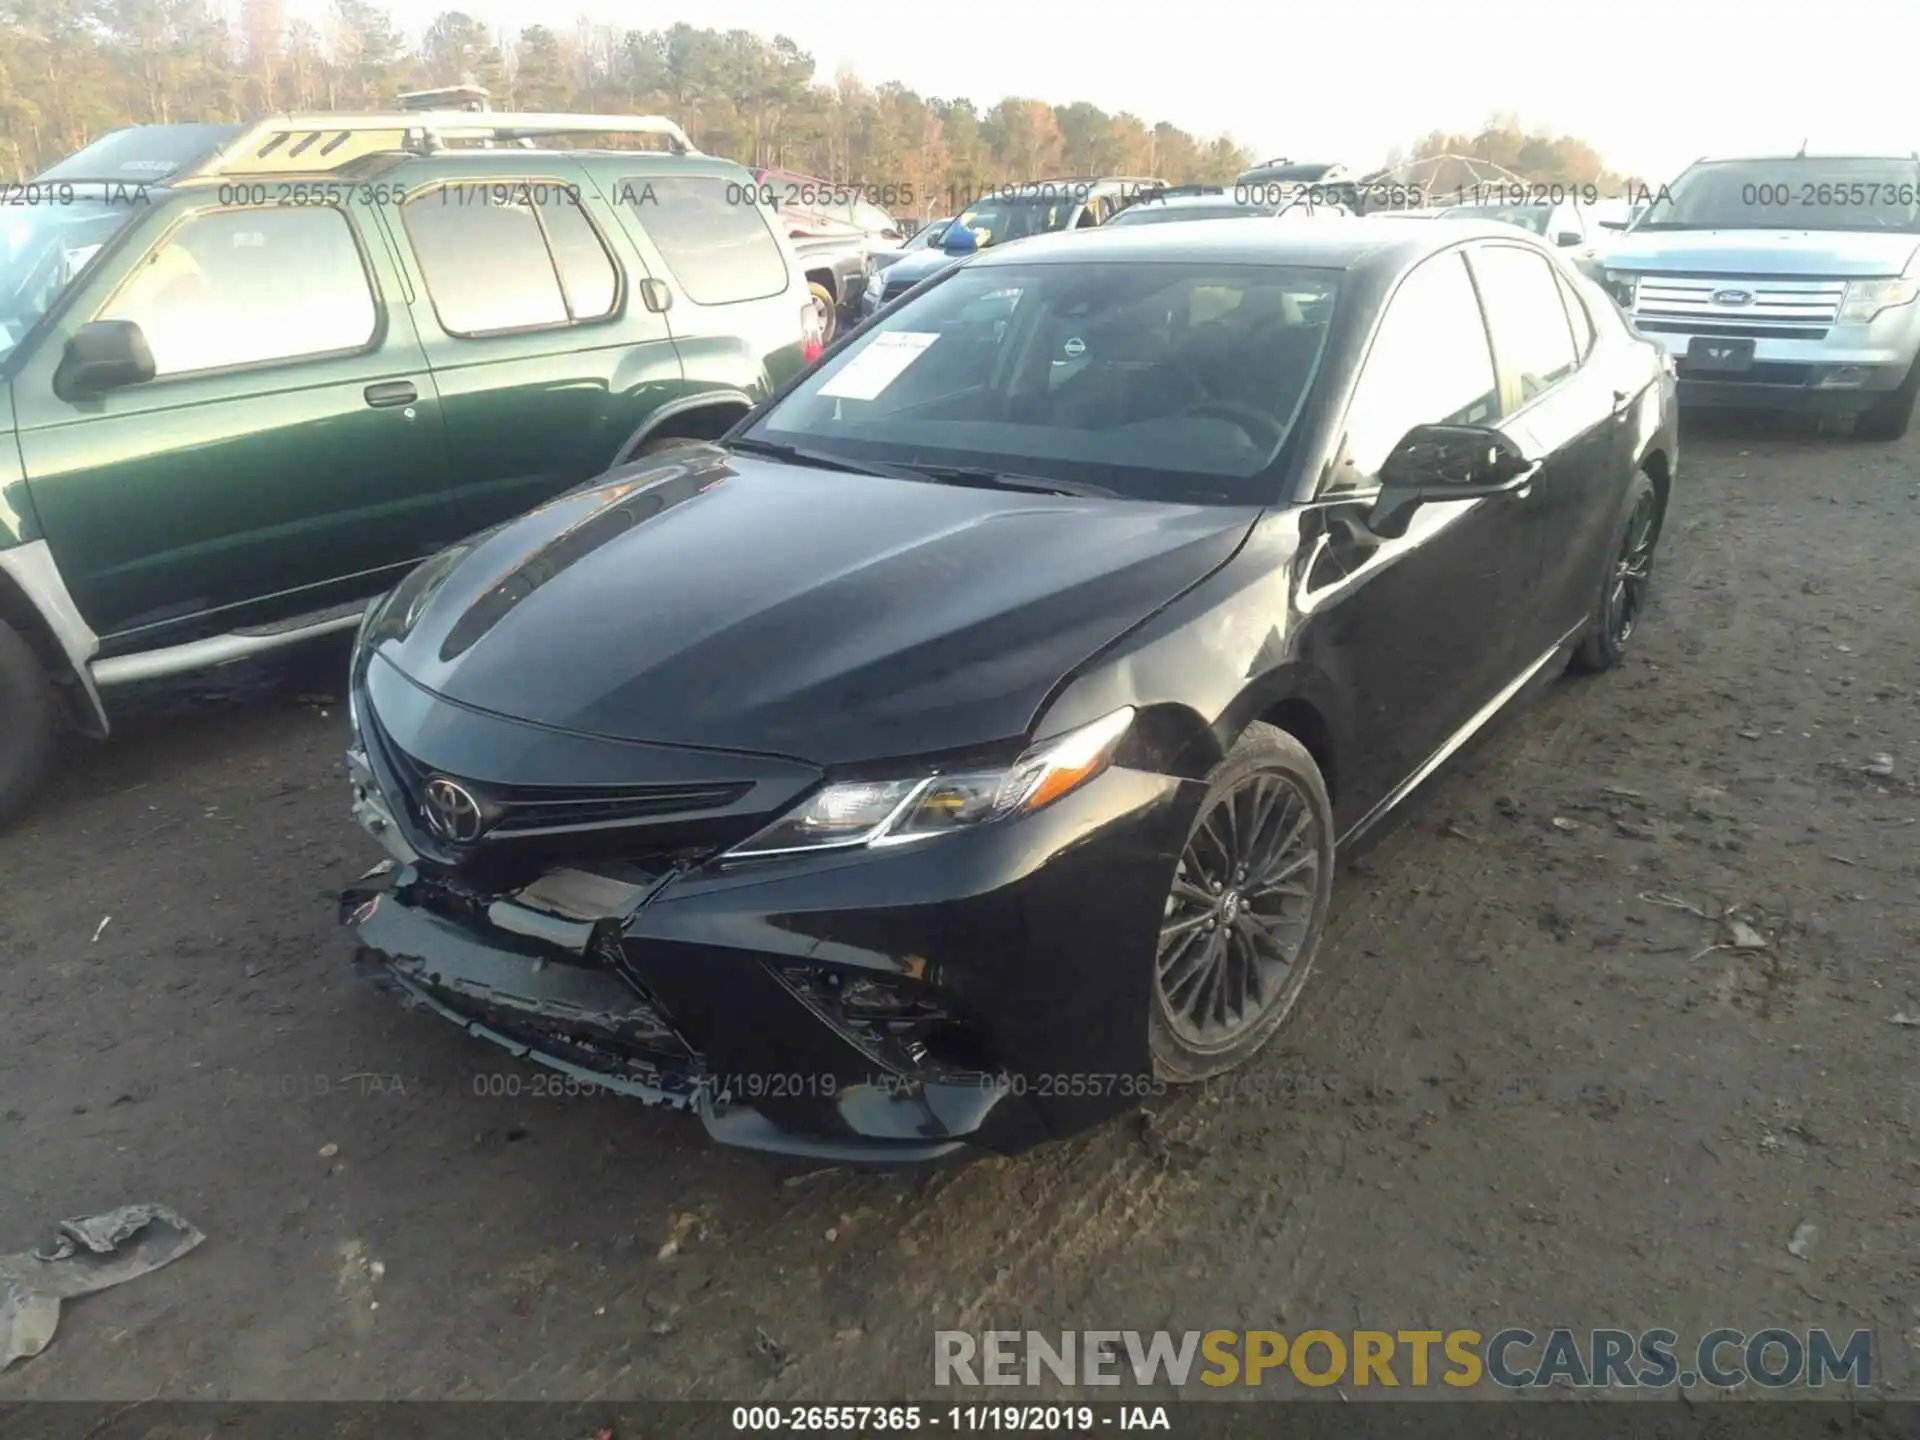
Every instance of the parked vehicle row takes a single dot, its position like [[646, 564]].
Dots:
[[927, 737]]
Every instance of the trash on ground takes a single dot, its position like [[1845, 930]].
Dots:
[[1900, 1017], [100, 929], [1561, 822], [1881, 764], [1744, 936], [329, 1150], [1801, 1245], [89, 1253]]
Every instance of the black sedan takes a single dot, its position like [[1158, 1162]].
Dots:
[[959, 750]]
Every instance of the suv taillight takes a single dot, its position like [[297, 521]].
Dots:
[[813, 337]]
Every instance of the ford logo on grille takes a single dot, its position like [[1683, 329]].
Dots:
[[1733, 297], [451, 812]]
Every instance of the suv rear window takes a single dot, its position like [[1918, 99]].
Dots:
[[509, 256], [713, 235]]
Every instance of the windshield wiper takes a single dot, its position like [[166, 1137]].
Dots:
[[987, 479], [797, 455]]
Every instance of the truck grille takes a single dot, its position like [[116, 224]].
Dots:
[[1778, 309]]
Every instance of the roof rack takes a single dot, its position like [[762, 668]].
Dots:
[[304, 144]]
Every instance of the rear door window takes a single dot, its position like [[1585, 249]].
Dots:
[[500, 257], [713, 234]]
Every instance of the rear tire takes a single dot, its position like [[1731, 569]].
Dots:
[[29, 724], [1623, 593], [1890, 415], [1244, 913]]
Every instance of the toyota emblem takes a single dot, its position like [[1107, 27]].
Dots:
[[451, 812]]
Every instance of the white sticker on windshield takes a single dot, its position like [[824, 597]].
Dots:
[[884, 360]]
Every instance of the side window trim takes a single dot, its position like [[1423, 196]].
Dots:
[[1322, 488], [374, 341], [1512, 402], [440, 187]]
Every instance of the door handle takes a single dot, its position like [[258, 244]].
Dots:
[[390, 393]]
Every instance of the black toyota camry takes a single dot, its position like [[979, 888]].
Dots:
[[961, 747]]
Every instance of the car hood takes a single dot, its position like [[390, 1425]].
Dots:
[[918, 267], [732, 603], [1811, 253]]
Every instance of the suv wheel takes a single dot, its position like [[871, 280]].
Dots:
[[1248, 902], [829, 312], [30, 725], [1889, 416]]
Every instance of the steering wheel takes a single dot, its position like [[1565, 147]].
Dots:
[[1260, 428]]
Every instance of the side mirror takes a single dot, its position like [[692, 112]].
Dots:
[[1612, 224], [959, 240], [1441, 463], [101, 356], [1568, 237]]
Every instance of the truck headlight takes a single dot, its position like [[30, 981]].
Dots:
[[891, 812], [1867, 298]]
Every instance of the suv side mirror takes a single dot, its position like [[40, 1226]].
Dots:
[[1440, 463], [959, 240], [103, 355], [1568, 237], [1612, 224]]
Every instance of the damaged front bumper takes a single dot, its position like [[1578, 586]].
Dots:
[[988, 992]]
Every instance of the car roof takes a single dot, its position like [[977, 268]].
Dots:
[[1909, 158], [1188, 202], [1341, 243]]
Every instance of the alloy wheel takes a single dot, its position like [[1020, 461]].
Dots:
[[1240, 912], [1632, 571]]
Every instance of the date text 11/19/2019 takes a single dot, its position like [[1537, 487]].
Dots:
[[901, 1419]]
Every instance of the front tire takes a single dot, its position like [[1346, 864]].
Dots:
[[1623, 595], [1244, 914], [29, 723]]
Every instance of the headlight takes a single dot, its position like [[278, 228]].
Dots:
[[876, 282], [1867, 298], [392, 616], [894, 812]]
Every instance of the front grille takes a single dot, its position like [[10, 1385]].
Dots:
[[533, 809], [1795, 309], [1763, 372], [1716, 327], [530, 810]]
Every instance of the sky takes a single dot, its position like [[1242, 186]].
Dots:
[[1652, 84]]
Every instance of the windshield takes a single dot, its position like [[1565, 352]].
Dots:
[[1001, 218], [1159, 381], [1799, 194], [42, 247], [1527, 217], [1148, 213]]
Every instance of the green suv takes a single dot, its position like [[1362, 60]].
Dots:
[[249, 375]]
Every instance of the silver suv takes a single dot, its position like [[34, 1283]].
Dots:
[[1788, 281]]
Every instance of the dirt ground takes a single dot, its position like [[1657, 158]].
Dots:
[[1518, 1090]]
